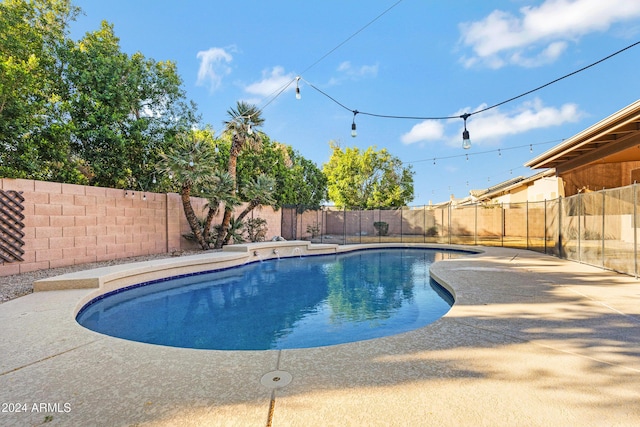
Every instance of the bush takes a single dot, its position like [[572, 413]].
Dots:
[[257, 229], [382, 227], [314, 230]]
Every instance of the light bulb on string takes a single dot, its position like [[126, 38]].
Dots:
[[153, 181], [531, 148], [354, 133], [499, 153], [466, 140], [298, 96]]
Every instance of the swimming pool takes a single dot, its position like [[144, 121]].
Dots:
[[278, 304]]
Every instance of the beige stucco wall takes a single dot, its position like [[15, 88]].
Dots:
[[66, 224]]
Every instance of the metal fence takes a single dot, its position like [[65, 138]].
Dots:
[[597, 228]]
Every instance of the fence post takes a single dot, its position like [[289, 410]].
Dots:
[[635, 229], [449, 213], [401, 231], [526, 219], [424, 223], [603, 222], [502, 225], [579, 227], [544, 235], [475, 231], [379, 220], [442, 220], [344, 226], [559, 242], [322, 230]]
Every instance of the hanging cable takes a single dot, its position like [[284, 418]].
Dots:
[[390, 116], [350, 37], [275, 94], [466, 155]]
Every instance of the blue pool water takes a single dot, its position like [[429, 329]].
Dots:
[[279, 304]]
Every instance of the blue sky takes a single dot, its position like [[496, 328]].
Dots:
[[412, 58]]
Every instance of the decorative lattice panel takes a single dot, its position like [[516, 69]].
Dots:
[[11, 226]]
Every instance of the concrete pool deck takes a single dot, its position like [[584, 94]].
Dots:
[[531, 341]]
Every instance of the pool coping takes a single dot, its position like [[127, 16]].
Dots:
[[532, 340], [107, 280]]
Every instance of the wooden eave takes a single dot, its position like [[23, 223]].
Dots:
[[614, 139]]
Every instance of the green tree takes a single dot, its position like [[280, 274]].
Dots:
[[33, 132], [218, 191], [123, 109], [367, 179], [191, 164], [242, 125], [305, 184], [259, 193], [297, 180]]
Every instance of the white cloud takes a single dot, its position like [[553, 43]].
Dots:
[[540, 34], [492, 126], [272, 82], [213, 67], [350, 72], [356, 72], [428, 130]]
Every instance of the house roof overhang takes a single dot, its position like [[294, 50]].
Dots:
[[612, 140], [510, 185]]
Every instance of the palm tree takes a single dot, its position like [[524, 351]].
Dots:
[[190, 163], [259, 192], [243, 125], [219, 190]]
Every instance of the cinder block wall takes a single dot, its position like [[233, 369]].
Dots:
[[66, 224]]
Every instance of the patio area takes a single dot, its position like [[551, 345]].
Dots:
[[532, 340]]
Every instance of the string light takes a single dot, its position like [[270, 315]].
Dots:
[[298, 96], [465, 134], [466, 141], [499, 153], [466, 155], [354, 133]]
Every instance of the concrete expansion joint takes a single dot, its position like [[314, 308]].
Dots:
[[49, 357]]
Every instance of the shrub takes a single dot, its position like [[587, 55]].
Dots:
[[314, 230], [257, 229], [382, 227]]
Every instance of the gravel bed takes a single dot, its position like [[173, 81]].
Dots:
[[19, 285]]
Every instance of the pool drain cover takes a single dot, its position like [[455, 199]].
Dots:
[[276, 379]]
